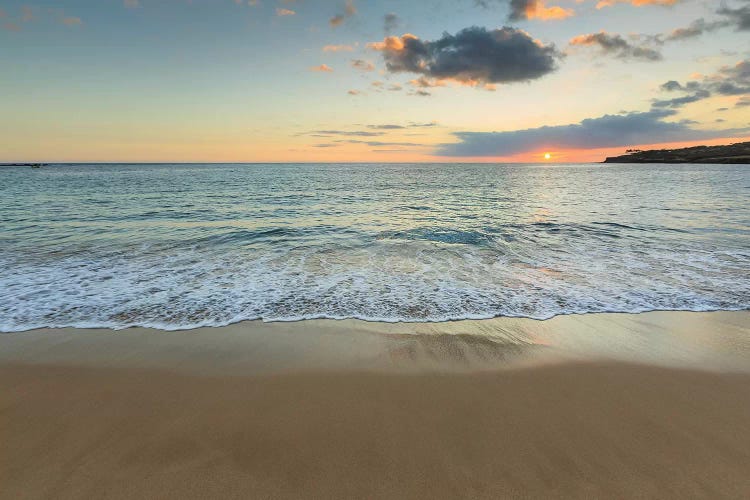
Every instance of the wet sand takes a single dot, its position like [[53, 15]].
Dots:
[[438, 415]]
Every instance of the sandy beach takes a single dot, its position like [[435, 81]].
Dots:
[[597, 406]]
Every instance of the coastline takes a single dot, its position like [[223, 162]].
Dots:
[[658, 408], [718, 340]]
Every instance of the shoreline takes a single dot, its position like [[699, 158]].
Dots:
[[717, 340], [377, 321]]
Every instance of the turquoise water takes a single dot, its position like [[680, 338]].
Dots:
[[181, 246]]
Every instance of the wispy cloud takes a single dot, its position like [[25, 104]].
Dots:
[[71, 21], [338, 48], [362, 65], [349, 11], [616, 46], [727, 81], [323, 68], [390, 22], [284, 12]]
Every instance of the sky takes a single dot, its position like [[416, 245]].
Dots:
[[369, 81]]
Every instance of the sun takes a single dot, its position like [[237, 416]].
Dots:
[[547, 156]]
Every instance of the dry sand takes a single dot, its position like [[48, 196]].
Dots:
[[108, 424]]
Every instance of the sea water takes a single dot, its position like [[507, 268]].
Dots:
[[178, 246]]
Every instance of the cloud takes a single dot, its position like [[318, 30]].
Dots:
[[349, 11], [27, 14], [727, 81], [743, 102], [284, 12], [349, 133], [391, 126], [536, 9], [377, 143], [131, 4], [390, 22], [395, 87], [473, 56], [323, 68], [71, 21], [696, 28], [637, 3], [740, 17], [30, 14], [730, 80], [9, 26], [387, 126], [362, 65], [678, 102], [338, 48], [627, 129], [426, 83], [354, 92], [616, 46]]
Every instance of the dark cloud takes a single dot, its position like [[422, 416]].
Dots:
[[473, 56], [728, 81], [743, 102], [390, 22], [674, 86], [617, 46], [628, 129], [678, 102], [739, 17]]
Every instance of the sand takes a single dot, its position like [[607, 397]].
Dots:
[[85, 415]]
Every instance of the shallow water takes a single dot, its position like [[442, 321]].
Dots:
[[181, 246]]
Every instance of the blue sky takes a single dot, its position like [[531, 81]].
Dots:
[[218, 80]]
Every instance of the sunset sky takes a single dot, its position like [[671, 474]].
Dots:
[[371, 81]]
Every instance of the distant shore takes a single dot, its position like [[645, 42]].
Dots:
[[730, 154], [650, 405]]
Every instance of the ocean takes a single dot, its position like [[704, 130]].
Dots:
[[178, 246]]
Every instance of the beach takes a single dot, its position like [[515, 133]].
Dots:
[[650, 405]]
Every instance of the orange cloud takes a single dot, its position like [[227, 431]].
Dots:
[[285, 12], [323, 68], [71, 21], [338, 48], [538, 10], [636, 3]]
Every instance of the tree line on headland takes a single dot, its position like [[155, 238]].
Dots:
[[732, 153]]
